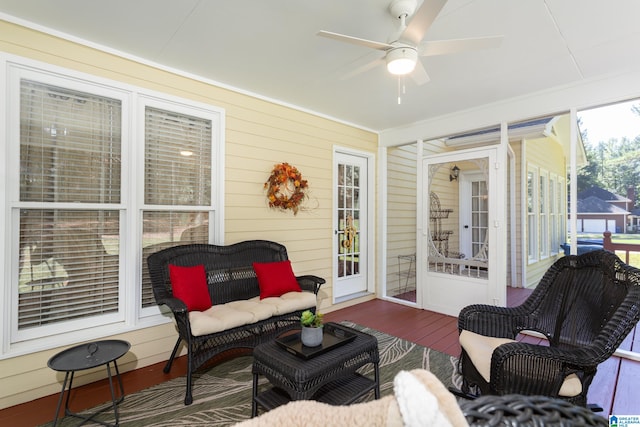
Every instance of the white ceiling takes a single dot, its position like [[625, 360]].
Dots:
[[270, 48]]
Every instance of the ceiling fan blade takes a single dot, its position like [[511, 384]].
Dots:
[[422, 20], [419, 74], [445, 47], [355, 40], [363, 68]]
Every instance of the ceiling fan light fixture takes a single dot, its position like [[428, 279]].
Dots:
[[401, 60]]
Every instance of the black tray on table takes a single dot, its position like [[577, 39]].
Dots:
[[332, 336]]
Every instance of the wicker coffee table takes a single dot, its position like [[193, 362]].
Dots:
[[329, 377]]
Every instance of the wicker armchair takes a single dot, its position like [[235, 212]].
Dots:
[[528, 411], [584, 305]]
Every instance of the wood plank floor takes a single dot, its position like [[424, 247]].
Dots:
[[614, 387]]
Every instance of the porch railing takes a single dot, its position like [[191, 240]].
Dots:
[[626, 248], [619, 247]]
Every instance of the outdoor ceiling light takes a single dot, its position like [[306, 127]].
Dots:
[[455, 172], [402, 60]]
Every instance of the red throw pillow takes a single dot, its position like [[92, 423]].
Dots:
[[190, 286], [275, 278]]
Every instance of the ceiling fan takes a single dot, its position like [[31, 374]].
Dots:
[[406, 45]]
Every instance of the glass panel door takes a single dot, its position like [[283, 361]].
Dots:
[[350, 258]]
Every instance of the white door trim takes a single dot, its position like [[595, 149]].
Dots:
[[370, 223]]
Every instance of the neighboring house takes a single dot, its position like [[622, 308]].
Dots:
[[622, 202], [597, 216], [634, 221], [601, 210]]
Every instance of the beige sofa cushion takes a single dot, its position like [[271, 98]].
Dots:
[[480, 348], [221, 317], [291, 301]]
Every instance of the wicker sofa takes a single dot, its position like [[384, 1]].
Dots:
[[238, 317]]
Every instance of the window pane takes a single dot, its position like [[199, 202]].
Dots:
[[177, 159], [544, 217], [543, 194], [349, 172], [165, 229], [69, 145], [530, 194], [69, 265], [483, 202], [532, 235]]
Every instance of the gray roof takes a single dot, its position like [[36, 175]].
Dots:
[[593, 204], [602, 194]]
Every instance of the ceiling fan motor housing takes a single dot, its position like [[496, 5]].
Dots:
[[402, 9]]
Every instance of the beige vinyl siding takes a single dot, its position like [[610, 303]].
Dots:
[[401, 213], [402, 205], [258, 134], [545, 154]]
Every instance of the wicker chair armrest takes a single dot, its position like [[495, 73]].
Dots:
[[310, 282], [489, 320], [181, 317], [174, 304], [535, 369], [515, 409]]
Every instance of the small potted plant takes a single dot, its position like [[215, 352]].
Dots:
[[311, 334]]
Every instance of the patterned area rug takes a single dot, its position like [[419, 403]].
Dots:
[[222, 394]]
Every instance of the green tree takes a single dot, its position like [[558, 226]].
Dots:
[[588, 175], [613, 165]]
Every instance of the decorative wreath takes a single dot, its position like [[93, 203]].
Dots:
[[285, 188]]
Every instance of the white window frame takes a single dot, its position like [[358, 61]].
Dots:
[[129, 315], [561, 196], [554, 212], [217, 197], [543, 209], [532, 217]]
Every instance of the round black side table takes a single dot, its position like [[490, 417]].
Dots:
[[88, 356]]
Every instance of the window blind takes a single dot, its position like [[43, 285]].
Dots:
[[163, 229], [178, 151], [69, 145], [68, 265], [177, 159], [70, 152]]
